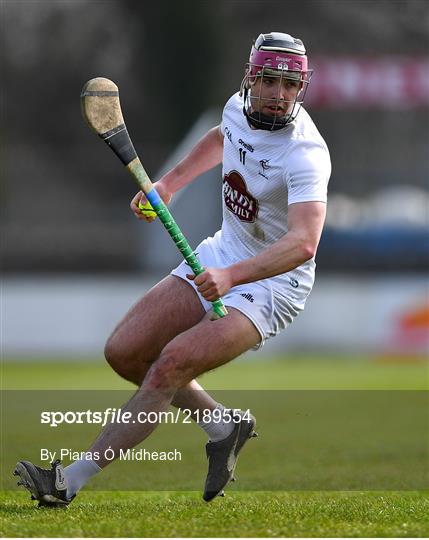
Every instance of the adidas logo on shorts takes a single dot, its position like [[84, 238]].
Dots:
[[248, 296]]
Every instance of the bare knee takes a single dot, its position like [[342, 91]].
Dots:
[[110, 350], [123, 362], [170, 371], [114, 354]]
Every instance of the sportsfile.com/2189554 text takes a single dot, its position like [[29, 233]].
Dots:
[[119, 416]]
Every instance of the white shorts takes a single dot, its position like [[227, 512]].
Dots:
[[269, 312]]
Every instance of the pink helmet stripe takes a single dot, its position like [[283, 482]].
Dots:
[[279, 60]]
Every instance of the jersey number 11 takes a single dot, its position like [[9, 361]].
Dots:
[[243, 156]]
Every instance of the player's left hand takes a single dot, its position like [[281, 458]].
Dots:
[[212, 283]]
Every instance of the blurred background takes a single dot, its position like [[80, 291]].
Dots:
[[73, 256]]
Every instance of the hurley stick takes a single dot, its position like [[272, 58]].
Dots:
[[101, 109]]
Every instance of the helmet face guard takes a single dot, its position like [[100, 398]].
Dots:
[[280, 57]]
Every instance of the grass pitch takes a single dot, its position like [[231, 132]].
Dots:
[[261, 514], [241, 513]]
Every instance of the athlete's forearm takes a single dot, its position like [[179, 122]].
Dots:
[[288, 253], [205, 155]]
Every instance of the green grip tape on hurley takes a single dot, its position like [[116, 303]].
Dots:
[[182, 244]]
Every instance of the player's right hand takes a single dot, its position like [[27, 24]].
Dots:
[[139, 198]]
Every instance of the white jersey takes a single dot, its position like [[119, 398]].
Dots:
[[263, 172]]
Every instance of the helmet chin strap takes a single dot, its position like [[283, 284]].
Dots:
[[262, 121]]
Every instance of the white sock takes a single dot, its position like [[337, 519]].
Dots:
[[217, 428], [78, 473]]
